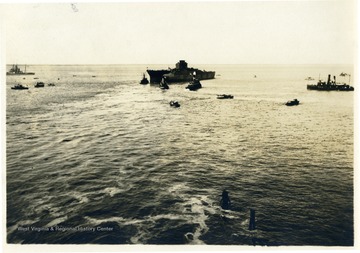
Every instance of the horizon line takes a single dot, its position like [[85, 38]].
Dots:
[[28, 64]]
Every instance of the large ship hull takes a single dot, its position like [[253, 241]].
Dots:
[[188, 75], [324, 87], [179, 74], [156, 75]]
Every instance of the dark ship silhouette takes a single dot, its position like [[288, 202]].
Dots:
[[164, 84], [181, 73], [330, 85], [144, 80], [292, 102], [16, 71], [194, 85], [19, 87]]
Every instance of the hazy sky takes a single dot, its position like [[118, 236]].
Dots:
[[241, 32]]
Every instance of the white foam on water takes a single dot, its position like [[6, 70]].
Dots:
[[177, 188], [245, 222], [112, 191], [20, 224], [81, 197], [120, 220], [196, 210], [56, 221], [99, 221], [166, 216], [200, 205], [141, 236]]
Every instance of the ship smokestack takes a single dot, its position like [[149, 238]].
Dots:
[[329, 77], [334, 79]]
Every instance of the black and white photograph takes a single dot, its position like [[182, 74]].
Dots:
[[182, 125]]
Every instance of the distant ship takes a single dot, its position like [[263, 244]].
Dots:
[[16, 71], [330, 85], [225, 96], [39, 85], [181, 73], [19, 87]]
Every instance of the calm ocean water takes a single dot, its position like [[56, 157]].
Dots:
[[101, 159]]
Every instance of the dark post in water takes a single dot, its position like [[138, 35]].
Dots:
[[252, 219]]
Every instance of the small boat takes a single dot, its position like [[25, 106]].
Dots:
[[309, 78], [163, 84], [194, 85], [19, 87], [144, 80], [293, 102], [225, 96], [39, 85], [51, 84], [174, 103]]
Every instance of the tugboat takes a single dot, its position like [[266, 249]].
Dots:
[[39, 85], [163, 84], [293, 102], [194, 85], [181, 73], [19, 87], [330, 85], [174, 103], [16, 71], [144, 80], [225, 96]]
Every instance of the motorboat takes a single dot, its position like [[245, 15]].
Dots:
[[163, 84], [39, 85], [225, 96], [174, 103], [19, 87], [194, 85], [293, 102]]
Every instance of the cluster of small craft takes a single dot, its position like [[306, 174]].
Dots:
[[16, 71], [182, 73], [37, 85], [193, 85]]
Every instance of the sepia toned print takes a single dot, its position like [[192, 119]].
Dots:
[[180, 124]]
